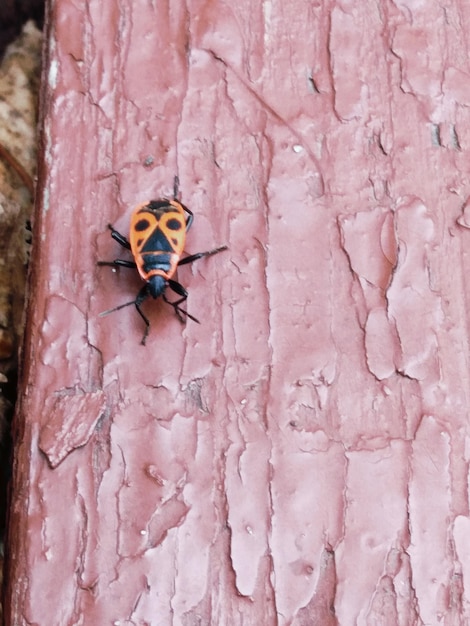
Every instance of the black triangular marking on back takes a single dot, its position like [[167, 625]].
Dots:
[[157, 242]]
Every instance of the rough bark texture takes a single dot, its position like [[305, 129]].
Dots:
[[19, 80], [14, 14], [301, 457]]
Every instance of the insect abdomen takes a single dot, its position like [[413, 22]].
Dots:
[[153, 261]]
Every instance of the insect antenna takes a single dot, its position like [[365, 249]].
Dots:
[[116, 308], [176, 185]]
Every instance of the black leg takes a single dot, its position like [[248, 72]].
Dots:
[[119, 238], [118, 263], [181, 291], [200, 255], [189, 219], [143, 293], [141, 296]]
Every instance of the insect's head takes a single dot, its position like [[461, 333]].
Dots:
[[156, 285]]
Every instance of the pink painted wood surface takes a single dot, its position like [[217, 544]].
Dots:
[[301, 457]]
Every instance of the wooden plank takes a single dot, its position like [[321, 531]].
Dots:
[[301, 456]]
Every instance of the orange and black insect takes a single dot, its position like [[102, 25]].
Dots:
[[157, 237]]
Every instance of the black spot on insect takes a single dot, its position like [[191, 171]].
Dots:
[[174, 224], [142, 225]]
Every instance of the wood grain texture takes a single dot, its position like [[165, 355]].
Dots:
[[301, 457]]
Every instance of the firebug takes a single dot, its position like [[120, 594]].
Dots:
[[157, 239]]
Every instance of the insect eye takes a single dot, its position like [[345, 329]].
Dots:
[[173, 224], [142, 225]]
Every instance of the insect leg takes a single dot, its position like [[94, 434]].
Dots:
[[190, 218], [119, 238], [181, 291], [118, 263], [141, 296], [200, 255]]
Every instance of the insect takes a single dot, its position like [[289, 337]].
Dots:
[[157, 238]]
